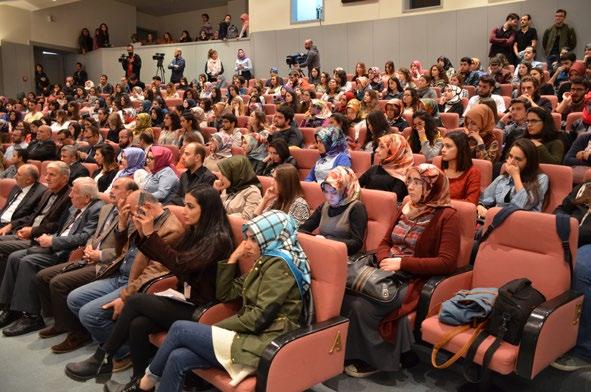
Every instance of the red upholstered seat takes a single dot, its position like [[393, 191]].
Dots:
[[450, 120], [305, 160], [6, 185], [571, 118]]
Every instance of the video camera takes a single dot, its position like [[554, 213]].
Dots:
[[122, 58], [158, 56], [296, 59]]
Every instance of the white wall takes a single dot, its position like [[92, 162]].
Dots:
[[15, 25], [190, 21], [147, 21]]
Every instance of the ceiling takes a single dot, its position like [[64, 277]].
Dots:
[[35, 5], [167, 7]]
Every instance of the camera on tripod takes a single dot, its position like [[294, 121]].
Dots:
[[122, 58], [296, 59], [158, 57]]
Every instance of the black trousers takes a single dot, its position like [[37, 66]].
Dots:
[[142, 315]]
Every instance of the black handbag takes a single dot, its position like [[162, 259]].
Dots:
[[365, 278]]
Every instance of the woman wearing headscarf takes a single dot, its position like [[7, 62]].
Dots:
[[243, 65], [317, 115], [334, 151], [239, 186], [394, 157], [162, 180], [255, 147], [394, 109], [430, 106], [479, 123], [143, 123], [131, 164], [220, 148], [451, 100], [375, 79], [422, 242], [244, 18], [342, 217], [279, 288], [416, 69]]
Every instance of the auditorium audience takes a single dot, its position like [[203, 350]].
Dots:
[[220, 149], [424, 136], [480, 123], [334, 151], [162, 181], [277, 154], [107, 166], [192, 158], [69, 155], [456, 162]]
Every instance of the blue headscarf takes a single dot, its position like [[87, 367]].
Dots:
[[276, 234], [334, 140], [136, 158]]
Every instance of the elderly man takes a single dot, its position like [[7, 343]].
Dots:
[[22, 198], [18, 289], [98, 303], [55, 283], [42, 148]]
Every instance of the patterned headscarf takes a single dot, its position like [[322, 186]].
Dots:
[[344, 180], [223, 143], [483, 117], [276, 234], [136, 158], [457, 94], [355, 105], [435, 190], [431, 107], [324, 109], [143, 122], [334, 140], [162, 159], [399, 158], [398, 103], [376, 74]]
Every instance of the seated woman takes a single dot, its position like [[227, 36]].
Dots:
[[394, 158], [131, 164], [394, 109], [207, 240], [430, 106], [411, 101], [237, 343], [239, 186], [424, 136], [343, 216], [169, 132], [317, 115], [480, 122], [451, 100], [369, 103], [393, 89], [108, 167], [220, 148], [255, 148], [456, 162], [286, 195], [277, 154], [143, 124], [163, 181], [522, 184], [377, 126], [334, 151], [423, 242], [542, 132]]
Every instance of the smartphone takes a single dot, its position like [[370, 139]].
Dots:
[[142, 199]]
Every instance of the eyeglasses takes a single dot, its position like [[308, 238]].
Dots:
[[149, 158], [527, 122]]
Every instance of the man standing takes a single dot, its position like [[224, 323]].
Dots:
[[17, 289], [177, 66], [502, 38], [525, 36], [558, 36], [196, 173], [80, 76], [132, 64], [313, 60]]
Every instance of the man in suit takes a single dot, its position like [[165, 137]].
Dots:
[[69, 155], [93, 137], [56, 282], [18, 289], [42, 148], [22, 198], [99, 303]]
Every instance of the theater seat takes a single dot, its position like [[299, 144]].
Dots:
[[525, 246], [238, 151], [360, 162], [172, 102], [470, 89], [91, 167], [309, 135], [553, 101], [557, 117], [6, 185], [176, 154], [418, 159], [269, 108], [484, 167], [242, 121], [450, 120], [506, 89], [305, 160], [571, 118], [561, 184]]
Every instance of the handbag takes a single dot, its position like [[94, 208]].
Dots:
[[365, 278]]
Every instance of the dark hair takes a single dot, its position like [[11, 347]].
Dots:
[[379, 125], [415, 98], [23, 153], [206, 15], [342, 120], [190, 118], [146, 138], [109, 155], [512, 16], [94, 130], [580, 80], [398, 84], [77, 129], [467, 60], [289, 186], [430, 130], [446, 62], [67, 134], [230, 117], [287, 112], [210, 240], [561, 10], [549, 131], [488, 80], [199, 150], [390, 63], [206, 104], [520, 101], [342, 75], [281, 147], [175, 121], [464, 155], [529, 174], [571, 56]]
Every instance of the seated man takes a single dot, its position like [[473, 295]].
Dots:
[[192, 158], [54, 284], [499, 74], [42, 148], [513, 124], [22, 267], [470, 77], [18, 141], [284, 127], [573, 100], [64, 138], [69, 155], [23, 197], [98, 303], [93, 137], [485, 89]]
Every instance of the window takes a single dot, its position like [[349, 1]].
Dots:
[[307, 10], [416, 5]]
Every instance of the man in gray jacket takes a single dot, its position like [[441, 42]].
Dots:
[[313, 60]]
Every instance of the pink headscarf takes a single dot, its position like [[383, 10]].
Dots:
[[162, 159], [417, 64]]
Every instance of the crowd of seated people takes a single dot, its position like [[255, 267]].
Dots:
[[145, 187]]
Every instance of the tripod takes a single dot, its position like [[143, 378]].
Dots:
[[160, 71]]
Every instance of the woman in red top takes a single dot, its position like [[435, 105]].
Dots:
[[422, 242], [456, 162]]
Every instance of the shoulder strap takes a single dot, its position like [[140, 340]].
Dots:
[[295, 271], [448, 337], [498, 219], [563, 230]]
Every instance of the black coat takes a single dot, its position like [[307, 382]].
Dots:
[[77, 170], [27, 204], [136, 67], [42, 150]]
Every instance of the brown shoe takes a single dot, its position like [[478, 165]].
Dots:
[[73, 341], [49, 332], [122, 364]]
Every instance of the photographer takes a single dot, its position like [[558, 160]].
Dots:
[[313, 57], [132, 64], [177, 66]]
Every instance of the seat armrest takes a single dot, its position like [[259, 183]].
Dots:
[[437, 290], [217, 312], [305, 356], [550, 331], [158, 284]]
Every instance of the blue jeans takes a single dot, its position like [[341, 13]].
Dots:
[[86, 302], [187, 346], [582, 284]]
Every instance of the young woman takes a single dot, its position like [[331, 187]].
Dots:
[[360, 70], [405, 78], [207, 240], [334, 151], [458, 80], [369, 103], [389, 72], [331, 92], [542, 132], [188, 126], [422, 242], [545, 87], [234, 345], [522, 184], [167, 38], [108, 167], [185, 37], [163, 181], [523, 69], [416, 69], [214, 69], [375, 79], [394, 157], [394, 109], [318, 114], [277, 154], [275, 87], [314, 76], [411, 101], [447, 66], [157, 116], [322, 85], [243, 65], [377, 126], [85, 41], [424, 137], [479, 123], [115, 126], [456, 162], [41, 80], [393, 89], [286, 195], [102, 39], [342, 217], [432, 109], [451, 100], [239, 186], [438, 76]]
